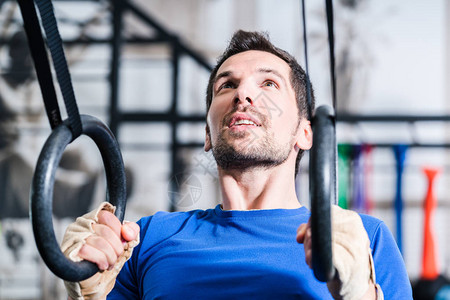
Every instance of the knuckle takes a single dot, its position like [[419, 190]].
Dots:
[[98, 242], [98, 229], [105, 247], [91, 241], [107, 239], [119, 251], [105, 217], [112, 258], [108, 218], [83, 251], [102, 230]]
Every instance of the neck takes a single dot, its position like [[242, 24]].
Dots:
[[259, 188]]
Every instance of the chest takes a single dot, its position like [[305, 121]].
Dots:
[[229, 262]]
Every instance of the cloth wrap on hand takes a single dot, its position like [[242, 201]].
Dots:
[[352, 256], [99, 285]]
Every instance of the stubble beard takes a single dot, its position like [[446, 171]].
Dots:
[[260, 152]]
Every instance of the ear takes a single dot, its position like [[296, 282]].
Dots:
[[207, 145], [304, 135]]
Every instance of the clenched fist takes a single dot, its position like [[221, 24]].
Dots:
[[99, 237], [352, 256]]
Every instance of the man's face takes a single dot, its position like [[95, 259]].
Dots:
[[253, 119]]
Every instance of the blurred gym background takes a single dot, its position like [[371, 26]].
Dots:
[[142, 67]]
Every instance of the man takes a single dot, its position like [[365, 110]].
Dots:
[[245, 247]]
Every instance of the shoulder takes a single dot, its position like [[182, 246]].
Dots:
[[163, 224], [372, 225], [378, 232], [172, 217], [389, 266]]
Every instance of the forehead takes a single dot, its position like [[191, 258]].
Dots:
[[252, 60]]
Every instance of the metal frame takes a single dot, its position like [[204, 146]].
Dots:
[[356, 119], [177, 48]]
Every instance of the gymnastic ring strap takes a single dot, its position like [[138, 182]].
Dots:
[[42, 193], [322, 175]]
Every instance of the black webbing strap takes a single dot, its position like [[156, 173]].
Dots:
[[330, 26], [41, 63], [54, 43], [308, 82]]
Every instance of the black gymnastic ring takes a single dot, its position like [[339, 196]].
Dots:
[[322, 186], [42, 193]]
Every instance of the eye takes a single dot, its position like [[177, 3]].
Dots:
[[270, 83], [226, 85]]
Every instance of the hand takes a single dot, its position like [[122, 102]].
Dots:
[[304, 237], [352, 256], [99, 237], [106, 245]]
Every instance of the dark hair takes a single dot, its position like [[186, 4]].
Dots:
[[245, 41]]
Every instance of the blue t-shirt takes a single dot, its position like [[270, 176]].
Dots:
[[216, 254]]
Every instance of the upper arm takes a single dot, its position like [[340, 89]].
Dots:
[[390, 268]]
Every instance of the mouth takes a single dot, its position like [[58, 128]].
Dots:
[[242, 121]]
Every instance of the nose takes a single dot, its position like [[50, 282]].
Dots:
[[246, 101], [244, 95]]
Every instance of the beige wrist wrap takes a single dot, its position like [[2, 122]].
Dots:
[[99, 285], [352, 256]]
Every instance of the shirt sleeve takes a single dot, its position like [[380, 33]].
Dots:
[[125, 287], [390, 268]]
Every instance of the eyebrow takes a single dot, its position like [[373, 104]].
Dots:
[[221, 75], [260, 70], [272, 71]]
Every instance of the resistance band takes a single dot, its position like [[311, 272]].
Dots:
[[368, 168], [358, 179], [354, 170], [344, 173], [430, 268], [62, 134], [400, 156], [431, 285]]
